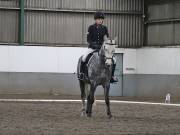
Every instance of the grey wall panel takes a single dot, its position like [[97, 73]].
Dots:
[[130, 31], [152, 35], [160, 34], [108, 5], [58, 4], [177, 33], [43, 83], [8, 26], [151, 85], [9, 3], [163, 17], [127, 28], [73, 4], [163, 11], [55, 28], [177, 9], [43, 3], [52, 83]]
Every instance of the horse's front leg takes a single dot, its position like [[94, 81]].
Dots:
[[106, 94], [90, 100]]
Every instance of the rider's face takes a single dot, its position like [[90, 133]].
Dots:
[[99, 21]]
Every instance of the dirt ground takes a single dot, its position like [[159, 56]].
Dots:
[[64, 119]]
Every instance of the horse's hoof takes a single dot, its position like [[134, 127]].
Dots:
[[110, 116], [89, 115]]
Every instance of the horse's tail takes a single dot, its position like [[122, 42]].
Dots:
[[79, 66]]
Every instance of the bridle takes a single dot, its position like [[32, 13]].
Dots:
[[108, 58]]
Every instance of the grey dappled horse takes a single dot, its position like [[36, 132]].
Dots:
[[99, 73]]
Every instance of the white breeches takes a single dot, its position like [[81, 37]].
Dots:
[[86, 54]]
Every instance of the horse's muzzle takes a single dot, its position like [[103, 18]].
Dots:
[[108, 62], [108, 66]]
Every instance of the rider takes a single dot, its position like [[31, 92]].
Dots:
[[95, 39]]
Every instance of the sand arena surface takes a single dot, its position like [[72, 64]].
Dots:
[[35, 118]]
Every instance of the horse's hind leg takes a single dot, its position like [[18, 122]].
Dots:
[[83, 96], [106, 94]]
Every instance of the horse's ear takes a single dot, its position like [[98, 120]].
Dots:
[[105, 38]]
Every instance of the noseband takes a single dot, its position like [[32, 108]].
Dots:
[[107, 58]]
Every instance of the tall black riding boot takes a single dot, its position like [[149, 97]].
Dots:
[[113, 78], [82, 69]]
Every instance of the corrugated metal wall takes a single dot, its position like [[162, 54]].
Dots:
[[50, 28], [65, 22], [9, 21], [9, 26], [106, 5], [9, 3], [163, 22]]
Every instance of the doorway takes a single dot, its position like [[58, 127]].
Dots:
[[117, 88]]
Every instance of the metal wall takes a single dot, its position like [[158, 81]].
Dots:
[[163, 22], [107, 5], [9, 26], [9, 3], [9, 21], [65, 22]]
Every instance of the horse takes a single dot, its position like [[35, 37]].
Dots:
[[99, 70]]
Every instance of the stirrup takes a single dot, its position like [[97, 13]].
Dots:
[[113, 80], [81, 76]]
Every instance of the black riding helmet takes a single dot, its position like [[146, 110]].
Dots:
[[99, 15]]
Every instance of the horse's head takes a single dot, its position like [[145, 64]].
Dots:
[[108, 50]]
